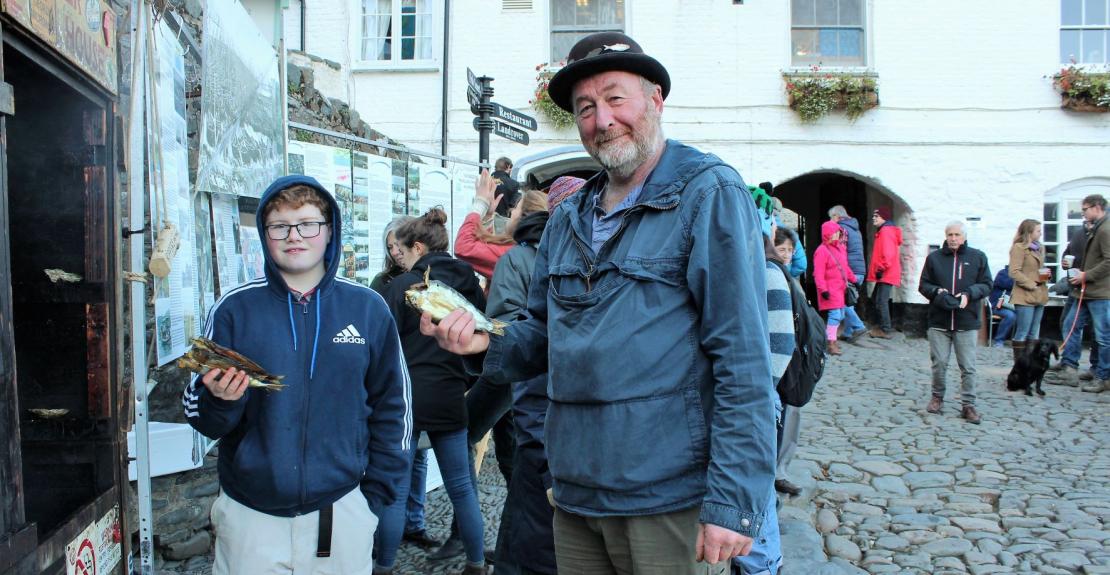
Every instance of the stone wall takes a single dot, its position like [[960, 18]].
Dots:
[[181, 502]]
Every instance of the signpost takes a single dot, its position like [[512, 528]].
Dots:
[[514, 117], [478, 94]]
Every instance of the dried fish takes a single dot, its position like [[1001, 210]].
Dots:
[[439, 299], [57, 275], [207, 355]]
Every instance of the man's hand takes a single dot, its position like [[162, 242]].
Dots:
[[1078, 278], [716, 544], [963, 300], [455, 333], [230, 387]]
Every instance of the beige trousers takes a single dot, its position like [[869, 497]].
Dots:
[[249, 541]]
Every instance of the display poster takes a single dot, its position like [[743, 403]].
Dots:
[[241, 131], [332, 167], [250, 246], [206, 281], [462, 190], [435, 191], [229, 255], [97, 548], [177, 300]]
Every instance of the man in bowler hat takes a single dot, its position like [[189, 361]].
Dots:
[[648, 312]]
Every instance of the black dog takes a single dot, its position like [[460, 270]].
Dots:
[[1030, 367]]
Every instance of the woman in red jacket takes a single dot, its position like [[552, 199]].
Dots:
[[832, 275], [475, 244]]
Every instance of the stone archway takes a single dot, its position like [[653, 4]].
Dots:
[[810, 196]]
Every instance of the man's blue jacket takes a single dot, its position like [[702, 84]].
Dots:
[[657, 350]]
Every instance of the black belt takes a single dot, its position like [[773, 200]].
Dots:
[[323, 540]]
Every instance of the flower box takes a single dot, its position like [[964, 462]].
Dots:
[[541, 101], [1083, 90], [815, 93]]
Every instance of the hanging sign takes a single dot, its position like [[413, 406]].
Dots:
[[82, 31], [97, 549]]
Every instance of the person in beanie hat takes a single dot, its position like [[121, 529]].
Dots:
[[886, 268], [667, 224], [561, 189]]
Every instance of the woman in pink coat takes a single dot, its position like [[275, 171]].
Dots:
[[832, 275]]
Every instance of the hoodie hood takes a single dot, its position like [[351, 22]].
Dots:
[[331, 261], [445, 268], [530, 228], [893, 230], [828, 229], [850, 223]]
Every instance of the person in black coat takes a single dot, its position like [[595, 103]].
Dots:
[[525, 540], [439, 383], [955, 280]]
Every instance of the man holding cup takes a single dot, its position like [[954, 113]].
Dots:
[[1074, 320], [1093, 280]]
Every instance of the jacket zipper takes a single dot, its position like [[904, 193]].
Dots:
[[305, 406], [955, 266]]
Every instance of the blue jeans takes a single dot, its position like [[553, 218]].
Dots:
[[453, 456], [1073, 348], [854, 323], [765, 557], [1002, 332], [1028, 325], [1100, 318], [414, 507]]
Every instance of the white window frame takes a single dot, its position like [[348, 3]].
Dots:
[[395, 64], [1096, 66], [1069, 193], [553, 63], [868, 60]]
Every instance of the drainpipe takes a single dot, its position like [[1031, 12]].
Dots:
[[302, 26], [443, 76]]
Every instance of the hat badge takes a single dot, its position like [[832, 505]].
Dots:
[[615, 48]]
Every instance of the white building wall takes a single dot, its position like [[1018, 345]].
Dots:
[[968, 125]]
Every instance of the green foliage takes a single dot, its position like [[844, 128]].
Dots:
[[1082, 86], [542, 102], [814, 94]]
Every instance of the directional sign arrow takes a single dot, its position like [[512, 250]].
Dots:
[[510, 133], [473, 81], [513, 116], [474, 99]]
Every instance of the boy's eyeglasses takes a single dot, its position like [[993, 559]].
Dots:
[[304, 229]]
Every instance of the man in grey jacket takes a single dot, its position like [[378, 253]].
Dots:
[[648, 311]]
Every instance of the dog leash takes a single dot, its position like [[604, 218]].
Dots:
[[1075, 319]]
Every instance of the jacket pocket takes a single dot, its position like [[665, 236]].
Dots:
[[628, 445]]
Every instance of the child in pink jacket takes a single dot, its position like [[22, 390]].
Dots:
[[832, 275]]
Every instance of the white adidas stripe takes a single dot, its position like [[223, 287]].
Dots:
[[354, 332]]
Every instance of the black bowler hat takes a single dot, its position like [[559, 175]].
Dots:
[[604, 52]]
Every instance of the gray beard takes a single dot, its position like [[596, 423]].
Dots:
[[622, 161]]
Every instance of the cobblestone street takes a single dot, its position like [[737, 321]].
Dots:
[[889, 488]]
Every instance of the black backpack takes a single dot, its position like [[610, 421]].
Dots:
[[808, 362]]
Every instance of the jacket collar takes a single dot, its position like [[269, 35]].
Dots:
[[944, 249], [677, 165]]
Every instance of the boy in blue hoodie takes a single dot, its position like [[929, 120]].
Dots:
[[330, 447]]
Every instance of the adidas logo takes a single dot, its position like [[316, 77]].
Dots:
[[349, 335]]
